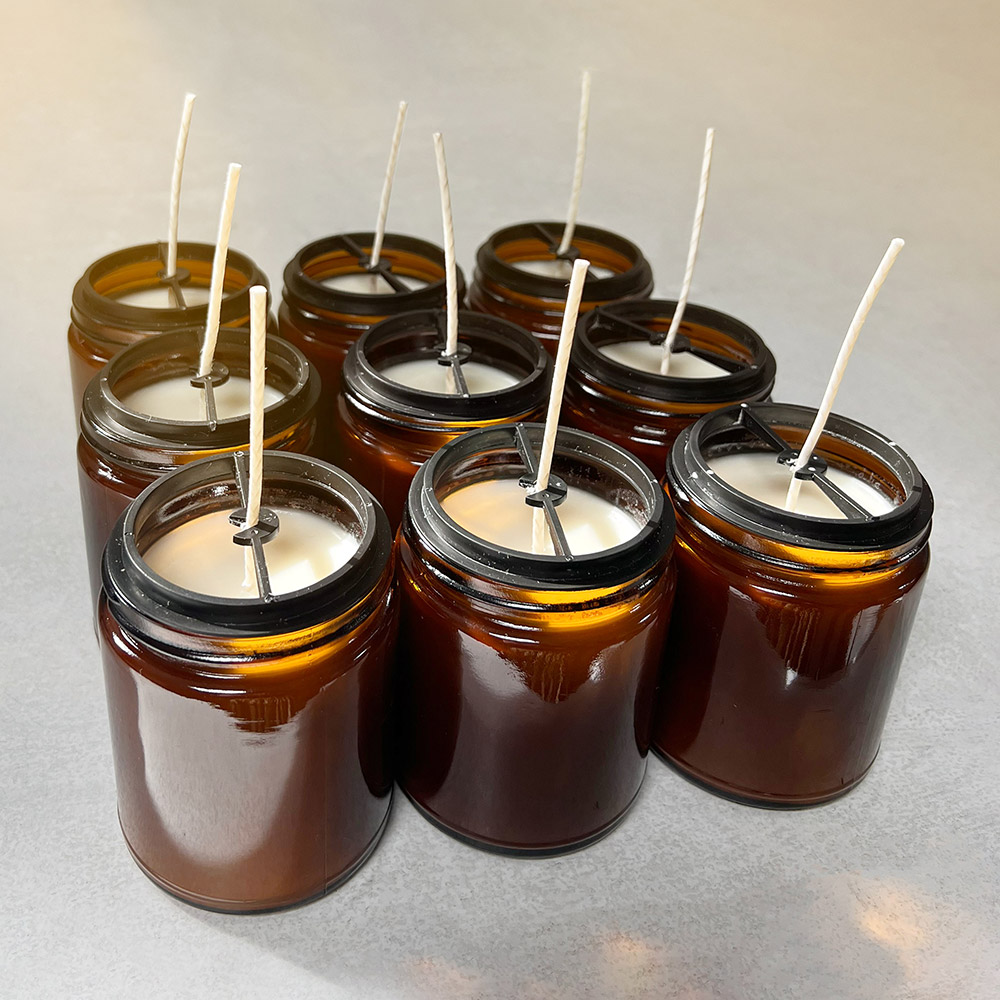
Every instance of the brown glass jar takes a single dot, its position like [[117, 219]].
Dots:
[[120, 452], [527, 681], [250, 736], [101, 324], [643, 412], [789, 630], [386, 430], [535, 301]]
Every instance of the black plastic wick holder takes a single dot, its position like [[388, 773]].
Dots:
[[219, 375], [175, 281], [570, 254], [815, 470], [549, 498], [455, 361], [365, 262], [253, 535]]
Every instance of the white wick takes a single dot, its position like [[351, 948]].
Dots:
[[699, 218], [175, 184], [390, 172], [823, 413], [581, 152], [538, 523], [219, 271], [258, 347], [451, 277]]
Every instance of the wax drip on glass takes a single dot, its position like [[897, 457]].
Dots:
[[805, 460], [670, 341], [257, 524], [547, 491], [211, 373]]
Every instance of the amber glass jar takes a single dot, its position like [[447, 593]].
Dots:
[[325, 305], [386, 430], [103, 321], [789, 630], [642, 411], [502, 286], [527, 681], [120, 452], [250, 736]]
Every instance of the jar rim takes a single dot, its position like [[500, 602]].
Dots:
[[136, 593], [690, 477], [425, 515], [633, 281], [753, 381]]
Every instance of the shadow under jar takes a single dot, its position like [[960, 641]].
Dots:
[[527, 681], [789, 629], [123, 298], [614, 388], [520, 277], [331, 297], [387, 429], [121, 450], [250, 735]]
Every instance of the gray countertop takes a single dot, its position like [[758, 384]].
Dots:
[[839, 125]]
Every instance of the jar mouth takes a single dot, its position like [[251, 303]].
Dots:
[[537, 241], [136, 592], [421, 335], [845, 444], [708, 333], [581, 461], [348, 254], [95, 306], [105, 417]]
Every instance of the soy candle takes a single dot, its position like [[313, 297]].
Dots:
[[250, 735], [520, 277], [527, 678], [614, 387], [141, 417], [790, 626], [399, 403], [123, 298]]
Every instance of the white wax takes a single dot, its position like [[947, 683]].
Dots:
[[552, 268], [369, 284], [426, 374], [646, 357], [200, 555], [160, 297], [496, 512], [176, 399], [758, 475]]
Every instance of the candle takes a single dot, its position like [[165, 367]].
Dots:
[[161, 297], [366, 283], [200, 554], [647, 357], [176, 399], [759, 475], [427, 375], [495, 511]]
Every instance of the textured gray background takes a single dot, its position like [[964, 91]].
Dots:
[[839, 125]]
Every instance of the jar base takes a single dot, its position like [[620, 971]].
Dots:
[[267, 906], [513, 851], [744, 797]]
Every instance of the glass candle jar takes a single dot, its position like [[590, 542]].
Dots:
[[121, 451], [386, 429], [527, 681], [520, 277], [641, 410], [123, 297], [250, 735], [789, 629]]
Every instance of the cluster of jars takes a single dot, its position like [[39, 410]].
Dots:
[[512, 694]]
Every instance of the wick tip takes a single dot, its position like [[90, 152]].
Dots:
[[898, 243], [189, 97], [403, 105]]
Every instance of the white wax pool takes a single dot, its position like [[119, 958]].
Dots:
[[369, 284], [646, 357], [175, 398], [557, 268], [160, 297], [428, 375]]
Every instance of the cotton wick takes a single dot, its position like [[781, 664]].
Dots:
[[219, 271], [823, 413], [175, 184], [581, 153], [699, 218], [390, 172], [451, 275], [258, 346]]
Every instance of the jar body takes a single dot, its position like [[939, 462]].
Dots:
[[777, 680], [255, 776], [524, 725]]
